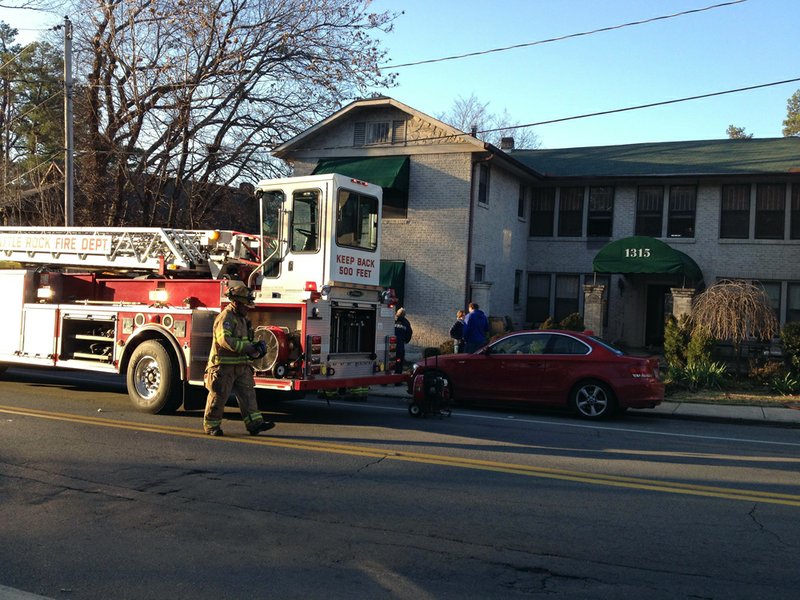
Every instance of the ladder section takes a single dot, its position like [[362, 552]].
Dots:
[[142, 248]]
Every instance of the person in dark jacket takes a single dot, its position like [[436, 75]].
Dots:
[[457, 333], [476, 328], [403, 332]]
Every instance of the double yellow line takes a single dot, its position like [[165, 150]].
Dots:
[[433, 459]]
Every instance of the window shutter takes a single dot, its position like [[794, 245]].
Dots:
[[398, 132], [359, 133]]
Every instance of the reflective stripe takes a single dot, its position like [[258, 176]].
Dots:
[[253, 418]]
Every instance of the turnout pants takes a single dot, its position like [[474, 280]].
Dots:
[[220, 381]]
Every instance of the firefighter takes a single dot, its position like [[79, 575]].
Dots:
[[229, 367]]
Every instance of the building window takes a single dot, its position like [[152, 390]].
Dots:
[[682, 208], [537, 309], [793, 303], [735, 213], [795, 211], [770, 211], [543, 208], [480, 273], [567, 289], [601, 207], [369, 133], [522, 201], [483, 183], [517, 287], [570, 212], [773, 291], [649, 210]]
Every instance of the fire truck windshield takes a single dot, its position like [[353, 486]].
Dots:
[[357, 220]]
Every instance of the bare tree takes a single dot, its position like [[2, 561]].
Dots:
[[735, 311], [468, 114], [182, 100]]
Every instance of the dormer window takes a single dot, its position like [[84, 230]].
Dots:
[[370, 133]]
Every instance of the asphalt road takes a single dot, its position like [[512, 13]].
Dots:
[[359, 500]]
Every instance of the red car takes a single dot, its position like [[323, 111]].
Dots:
[[547, 368]]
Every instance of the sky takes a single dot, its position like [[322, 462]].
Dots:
[[750, 43], [730, 47]]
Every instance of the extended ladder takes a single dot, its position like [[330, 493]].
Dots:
[[141, 248]]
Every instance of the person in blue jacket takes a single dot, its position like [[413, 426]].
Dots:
[[476, 328]]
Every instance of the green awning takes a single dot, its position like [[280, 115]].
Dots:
[[389, 172], [641, 254], [393, 275]]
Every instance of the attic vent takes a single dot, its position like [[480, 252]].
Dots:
[[359, 134], [507, 143], [398, 132], [368, 133]]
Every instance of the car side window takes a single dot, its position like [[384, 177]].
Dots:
[[516, 344], [563, 344]]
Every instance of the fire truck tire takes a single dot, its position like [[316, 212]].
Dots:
[[415, 410], [152, 379]]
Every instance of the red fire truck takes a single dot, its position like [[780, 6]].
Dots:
[[141, 301]]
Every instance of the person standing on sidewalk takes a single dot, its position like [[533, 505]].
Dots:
[[476, 328], [403, 332], [457, 333], [229, 368]]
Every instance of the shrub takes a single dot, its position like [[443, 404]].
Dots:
[[698, 351], [676, 339], [699, 375], [573, 322], [548, 323], [448, 347], [764, 372], [786, 385], [790, 336]]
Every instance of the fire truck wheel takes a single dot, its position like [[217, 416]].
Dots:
[[415, 410], [152, 379]]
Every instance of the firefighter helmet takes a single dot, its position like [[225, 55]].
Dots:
[[239, 292]]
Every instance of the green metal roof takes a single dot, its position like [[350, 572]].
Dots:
[[698, 158]]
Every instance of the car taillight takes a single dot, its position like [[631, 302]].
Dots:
[[642, 372]]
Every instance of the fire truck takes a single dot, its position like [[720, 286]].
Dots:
[[141, 302]]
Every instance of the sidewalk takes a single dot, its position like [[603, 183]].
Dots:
[[768, 415]]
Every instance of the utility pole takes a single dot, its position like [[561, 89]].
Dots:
[[68, 153]]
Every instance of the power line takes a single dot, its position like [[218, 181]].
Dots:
[[650, 105], [563, 37]]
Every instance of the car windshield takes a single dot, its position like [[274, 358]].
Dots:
[[608, 346]]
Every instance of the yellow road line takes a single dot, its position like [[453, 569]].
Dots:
[[433, 459]]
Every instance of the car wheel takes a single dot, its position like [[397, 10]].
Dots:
[[593, 400]]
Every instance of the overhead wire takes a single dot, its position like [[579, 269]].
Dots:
[[563, 37], [585, 115]]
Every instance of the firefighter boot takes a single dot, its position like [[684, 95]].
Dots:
[[215, 431], [262, 426]]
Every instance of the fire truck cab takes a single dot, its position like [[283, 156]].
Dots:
[[142, 301]]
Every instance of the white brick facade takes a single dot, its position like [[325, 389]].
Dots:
[[448, 231]]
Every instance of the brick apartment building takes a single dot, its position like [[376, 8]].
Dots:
[[622, 234]]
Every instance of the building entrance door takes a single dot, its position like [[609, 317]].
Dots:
[[659, 305]]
